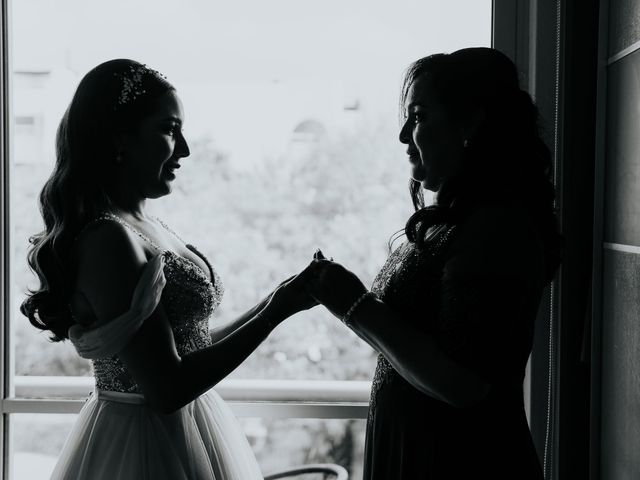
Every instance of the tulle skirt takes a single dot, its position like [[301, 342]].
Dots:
[[118, 437]]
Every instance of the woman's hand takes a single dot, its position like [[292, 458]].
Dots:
[[292, 296], [334, 286]]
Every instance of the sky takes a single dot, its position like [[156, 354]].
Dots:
[[242, 39], [265, 61]]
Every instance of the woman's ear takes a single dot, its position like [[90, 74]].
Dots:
[[474, 124], [121, 141], [119, 147]]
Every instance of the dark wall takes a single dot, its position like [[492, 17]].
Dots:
[[620, 381]]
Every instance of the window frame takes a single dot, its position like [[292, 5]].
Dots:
[[569, 86], [527, 30], [5, 253], [515, 30]]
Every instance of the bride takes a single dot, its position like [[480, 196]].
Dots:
[[136, 299]]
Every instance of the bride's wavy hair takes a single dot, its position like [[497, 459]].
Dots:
[[506, 160], [104, 106]]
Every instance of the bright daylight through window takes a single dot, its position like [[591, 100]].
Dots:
[[291, 115]]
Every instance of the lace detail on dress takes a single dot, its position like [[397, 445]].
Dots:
[[395, 284], [384, 374], [189, 299]]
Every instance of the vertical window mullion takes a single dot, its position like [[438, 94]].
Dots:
[[5, 267], [527, 30]]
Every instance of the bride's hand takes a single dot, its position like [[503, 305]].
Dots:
[[292, 296]]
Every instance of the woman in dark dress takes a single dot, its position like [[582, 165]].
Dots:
[[452, 311]]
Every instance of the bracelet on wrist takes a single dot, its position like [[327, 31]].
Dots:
[[346, 319]]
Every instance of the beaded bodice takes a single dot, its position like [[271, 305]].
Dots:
[[188, 299], [403, 283]]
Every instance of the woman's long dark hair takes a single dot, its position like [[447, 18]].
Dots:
[[75, 193], [506, 160]]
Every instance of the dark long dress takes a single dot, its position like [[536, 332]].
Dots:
[[482, 321]]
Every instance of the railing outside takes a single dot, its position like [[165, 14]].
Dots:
[[247, 398]]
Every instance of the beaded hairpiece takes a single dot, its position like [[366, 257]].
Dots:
[[132, 83]]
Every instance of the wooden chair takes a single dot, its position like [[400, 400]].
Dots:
[[327, 468]]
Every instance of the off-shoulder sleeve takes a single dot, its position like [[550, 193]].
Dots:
[[109, 338], [488, 299]]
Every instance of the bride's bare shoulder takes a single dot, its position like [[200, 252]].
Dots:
[[108, 261]]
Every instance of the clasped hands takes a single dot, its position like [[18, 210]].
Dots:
[[324, 282]]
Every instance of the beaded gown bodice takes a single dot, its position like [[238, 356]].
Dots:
[[402, 282], [189, 298]]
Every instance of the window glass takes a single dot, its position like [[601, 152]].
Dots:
[[292, 119], [37, 440]]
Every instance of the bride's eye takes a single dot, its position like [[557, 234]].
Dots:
[[416, 116], [172, 130]]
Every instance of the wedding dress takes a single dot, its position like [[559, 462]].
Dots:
[[117, 436]]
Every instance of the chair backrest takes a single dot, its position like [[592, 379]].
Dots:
[[327, 468]]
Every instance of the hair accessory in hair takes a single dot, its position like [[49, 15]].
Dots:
[[132, 83]]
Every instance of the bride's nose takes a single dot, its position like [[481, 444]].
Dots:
[[405, 133], [182, 148]]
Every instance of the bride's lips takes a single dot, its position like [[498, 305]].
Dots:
[[170, 169], [414, 156]]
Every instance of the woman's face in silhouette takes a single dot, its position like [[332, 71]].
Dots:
[[434, 137], [153, 152]]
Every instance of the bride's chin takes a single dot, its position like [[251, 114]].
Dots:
[[429, 186], [424, 181], [428, 183], [417, 174]]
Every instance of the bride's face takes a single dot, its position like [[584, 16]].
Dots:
[[152, 153], [434, 139]]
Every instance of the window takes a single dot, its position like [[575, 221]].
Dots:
[[291, 117]]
